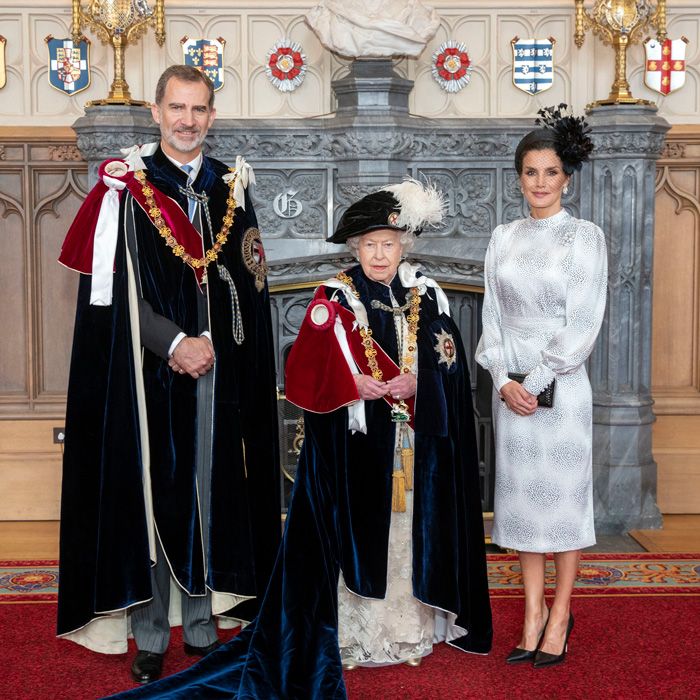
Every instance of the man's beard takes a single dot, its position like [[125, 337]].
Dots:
[[172, 139]]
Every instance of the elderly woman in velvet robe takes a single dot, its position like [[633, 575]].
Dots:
[[383, 554]]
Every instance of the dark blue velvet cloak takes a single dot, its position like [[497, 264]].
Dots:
[[104, 556], [339, 518]]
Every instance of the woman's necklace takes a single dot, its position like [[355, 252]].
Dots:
[[408, 353]]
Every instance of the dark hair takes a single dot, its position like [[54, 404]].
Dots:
[[188, 74], [537, 140], [566, 135]]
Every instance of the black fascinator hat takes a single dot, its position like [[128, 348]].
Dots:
[[408, 206], [559, 129]]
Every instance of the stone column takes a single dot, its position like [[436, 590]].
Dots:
[[370, 141], [628, 140], [105, 129]]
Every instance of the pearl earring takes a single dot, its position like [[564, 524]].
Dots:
[[522, 191], [566, 189]]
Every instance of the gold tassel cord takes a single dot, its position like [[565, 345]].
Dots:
[[407, 466], [398, 492]]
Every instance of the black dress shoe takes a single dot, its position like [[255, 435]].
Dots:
[[519, 655], [543, 659], [201, 651], [147, 667]]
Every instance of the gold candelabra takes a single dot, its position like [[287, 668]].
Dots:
[[620, 23], [119, 23]]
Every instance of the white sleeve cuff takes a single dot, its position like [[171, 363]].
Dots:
[[176, 342], [538, 379]]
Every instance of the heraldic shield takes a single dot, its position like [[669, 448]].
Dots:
[[665, 65], [533, 64], [69, 64], [207, 55]]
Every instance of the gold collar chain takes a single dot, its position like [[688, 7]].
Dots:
[[366, 333], [155, 215]]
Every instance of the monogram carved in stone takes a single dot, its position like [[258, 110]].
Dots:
[[471, 197], [291, 204]]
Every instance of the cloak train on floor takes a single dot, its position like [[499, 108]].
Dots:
[[341, 510]]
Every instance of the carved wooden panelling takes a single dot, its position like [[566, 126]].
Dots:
[[13, 279], [676, 323], [42, 184]]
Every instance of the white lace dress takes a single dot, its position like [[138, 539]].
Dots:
[[545, 292]]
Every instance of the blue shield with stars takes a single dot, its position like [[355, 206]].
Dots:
[[69, 64], [533, 64], [208, 56]]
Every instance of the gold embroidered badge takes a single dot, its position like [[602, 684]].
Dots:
[[253, 255]]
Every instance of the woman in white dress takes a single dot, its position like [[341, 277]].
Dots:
[[545, 292]]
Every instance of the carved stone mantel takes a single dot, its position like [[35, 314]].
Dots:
[[309, 170]]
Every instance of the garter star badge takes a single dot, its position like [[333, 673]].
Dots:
[[69, 64], [533, 64], [665, 64], [445, 348], [3, 72], [254, 256], [286, 65], [207, 55], [452, 66]]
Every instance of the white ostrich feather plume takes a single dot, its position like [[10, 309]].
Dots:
[[421, 205]]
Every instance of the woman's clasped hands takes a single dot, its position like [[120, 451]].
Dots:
[[402, 386], [518, 399]]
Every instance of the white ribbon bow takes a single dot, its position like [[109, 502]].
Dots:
[[132, 155], [408, 277], [243, 172]]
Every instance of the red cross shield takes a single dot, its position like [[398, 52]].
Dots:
[[665, 64]]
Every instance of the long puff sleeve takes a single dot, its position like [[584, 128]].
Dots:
[[489, 352], [570, 346]]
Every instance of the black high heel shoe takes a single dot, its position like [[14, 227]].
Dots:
[[519, 655], [543, 659]]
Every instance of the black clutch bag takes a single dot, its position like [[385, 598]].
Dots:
[[544, 399]]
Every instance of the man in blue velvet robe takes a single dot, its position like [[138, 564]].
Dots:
[[171, 459]]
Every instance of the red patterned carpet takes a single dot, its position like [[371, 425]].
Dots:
[[635, 637]]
